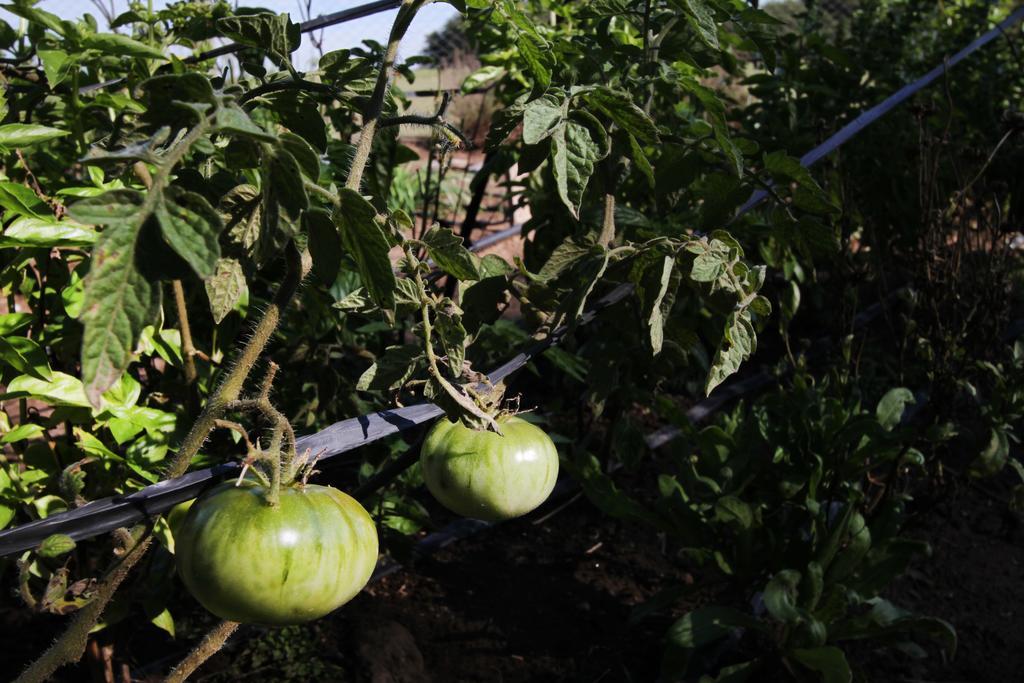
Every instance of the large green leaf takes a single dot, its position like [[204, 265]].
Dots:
[[363, 238], [324, 245], [620, 107], [277, 34], [118, 300], [60, 390], [574, 154], [192, 228], [451, 255], [542, 117], [701, 18]]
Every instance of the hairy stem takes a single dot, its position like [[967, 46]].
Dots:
[[373, 111], [70, 647], [608, 225], [212, 642], [188, 351], [231, 388], [462, 398]]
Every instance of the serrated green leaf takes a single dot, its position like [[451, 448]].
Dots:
[[225, 288], [564, 256], [738, 343], [391, 370], [542, 118], [118, 301], [305, 155], [234, 120], [451, 255], [574, 153], [324, 245], [621, 109], [701, 18], [283, 178], [57, 65], [276, 34], [364, 240], [661, 304], [192, 228], [537, 58]]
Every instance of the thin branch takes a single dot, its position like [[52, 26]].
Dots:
[[188, 350], [372, 115], [608, 224], [212, 642]]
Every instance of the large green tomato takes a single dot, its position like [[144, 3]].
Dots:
[[483, 475], [249, 562]]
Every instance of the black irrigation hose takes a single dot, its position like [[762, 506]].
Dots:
[[305, 27], [107, 514], [876, 112]]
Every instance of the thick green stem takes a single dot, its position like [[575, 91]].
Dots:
[[231, 388], [373, 111], [71, 644], [212, 642]]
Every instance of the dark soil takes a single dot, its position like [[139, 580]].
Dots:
[[549, 599]]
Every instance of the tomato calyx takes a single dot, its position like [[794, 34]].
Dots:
[[279, 464]]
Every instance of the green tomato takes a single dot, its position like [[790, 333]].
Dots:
[[250, 562], [176, 515], [487, 476]]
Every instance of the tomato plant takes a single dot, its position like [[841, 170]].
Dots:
[[251, 562], [489, 476], [168, 225]]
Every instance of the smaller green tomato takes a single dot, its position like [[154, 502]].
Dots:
[[176, 515], [247, 561], [483, 475]]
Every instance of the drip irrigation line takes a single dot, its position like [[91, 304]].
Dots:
[[320, 22], [876, 112], [107, 514]]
